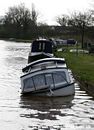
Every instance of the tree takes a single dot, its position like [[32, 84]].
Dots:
[[63, 20], [77, 20], [81, 21], [34, 15], [17, 20]]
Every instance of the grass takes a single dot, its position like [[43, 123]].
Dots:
[[82, 65]]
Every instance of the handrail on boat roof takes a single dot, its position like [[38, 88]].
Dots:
[[55, 60]]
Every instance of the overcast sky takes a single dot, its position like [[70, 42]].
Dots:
[[48, 9]]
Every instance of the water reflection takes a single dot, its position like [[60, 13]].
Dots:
[[45, 108]]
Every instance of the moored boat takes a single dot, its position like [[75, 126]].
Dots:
[[40, 48], [47, 77]]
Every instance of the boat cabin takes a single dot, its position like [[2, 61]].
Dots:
[[40, 49], [41, 46]]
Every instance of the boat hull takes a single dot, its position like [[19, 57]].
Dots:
[[60, 92]]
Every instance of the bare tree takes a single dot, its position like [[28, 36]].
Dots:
[[21, 21], [17, 18], [81, 21], [63, 20], [18, 15], [34, 15]]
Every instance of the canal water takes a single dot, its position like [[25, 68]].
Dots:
[[37, 113]]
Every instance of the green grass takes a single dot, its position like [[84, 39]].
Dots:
[[82, 65]]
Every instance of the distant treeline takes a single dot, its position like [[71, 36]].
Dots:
[[21, 23], [32, 32]]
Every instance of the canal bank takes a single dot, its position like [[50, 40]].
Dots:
[[88, 87], [82, 66]]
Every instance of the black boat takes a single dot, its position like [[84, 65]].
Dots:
[[40, 48]]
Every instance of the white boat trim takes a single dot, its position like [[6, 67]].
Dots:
[[60, 61]]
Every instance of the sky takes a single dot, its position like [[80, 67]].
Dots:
[[48, 10]]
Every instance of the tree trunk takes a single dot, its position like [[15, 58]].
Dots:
[[83, 29]]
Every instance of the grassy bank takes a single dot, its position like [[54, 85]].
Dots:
[[82, 66]]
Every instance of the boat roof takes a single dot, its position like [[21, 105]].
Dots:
[[45, 60]]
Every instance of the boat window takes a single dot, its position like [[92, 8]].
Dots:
[[39, 81], [28, 83], [48, 47], [35, 47], [42, 46], [49, 80], [59, 77]]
